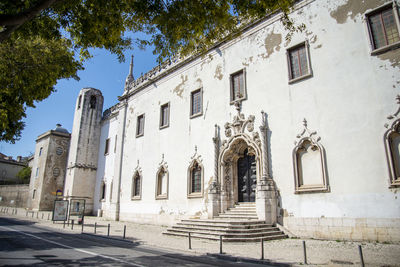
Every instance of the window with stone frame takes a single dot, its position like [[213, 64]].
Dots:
[[111, 191], [238, 86], [383, 27], [196, 103], [164, 116], [140, 126], [107, 146], [34, 194], [195, 180], [298, 61], [79, 101], [136, 186], [162, 184]]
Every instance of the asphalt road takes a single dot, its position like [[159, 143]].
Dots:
[[23, 243]]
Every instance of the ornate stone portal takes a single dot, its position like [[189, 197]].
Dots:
[[242, 141]]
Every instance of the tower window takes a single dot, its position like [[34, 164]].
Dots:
[[93, 102], [79, 101], [107, 145], [103, 191]]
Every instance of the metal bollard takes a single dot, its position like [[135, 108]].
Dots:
[[26, 215], [95, 225], [262, 248], [305, 252], [42, 216], [123, 237], [48, 216], [361, 255], [82, 226], [220, 244], [64, 225], [33, 213], [190, 241], [37, 215], [72, 225], [108, 230]]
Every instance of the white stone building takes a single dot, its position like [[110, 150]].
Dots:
[[308, 129]]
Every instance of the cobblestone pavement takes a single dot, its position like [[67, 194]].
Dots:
[[290, 251]]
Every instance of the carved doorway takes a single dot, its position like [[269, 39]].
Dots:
[[247, 178]]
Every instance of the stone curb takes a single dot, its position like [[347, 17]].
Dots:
[[246, 260], [110, 237]]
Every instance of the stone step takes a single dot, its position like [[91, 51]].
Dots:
[[223, 226], [226, 235], [242, 209], [235, 212], [224, 229], [229, 239], [239, 217], [224, 221]]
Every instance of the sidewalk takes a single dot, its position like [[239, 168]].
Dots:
[[289, 251]]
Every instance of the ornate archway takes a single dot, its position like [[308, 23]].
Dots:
[[241, 140]]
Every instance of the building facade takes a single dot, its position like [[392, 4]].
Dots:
[[306, 127], [48, 168]]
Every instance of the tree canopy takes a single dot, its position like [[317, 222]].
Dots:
[[42, 41]]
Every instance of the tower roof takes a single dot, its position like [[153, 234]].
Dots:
[[60, 129]]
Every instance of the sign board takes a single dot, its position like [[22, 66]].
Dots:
[[58, 192], [60, 211]]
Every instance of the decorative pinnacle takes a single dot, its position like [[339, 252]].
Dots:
[[195, 149], [398, 99], [131, 67], [216, 131], [305, 122]]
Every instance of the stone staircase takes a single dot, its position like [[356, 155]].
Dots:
[[238, 224]]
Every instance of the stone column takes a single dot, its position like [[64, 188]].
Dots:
[[214, 190], [266, 203]]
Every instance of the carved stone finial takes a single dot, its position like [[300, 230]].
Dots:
[[162, 156], [311, 134], [195, 149], [305, 122], [394, 115], [216, 131]]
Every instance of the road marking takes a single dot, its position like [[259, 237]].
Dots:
[[76, 249]]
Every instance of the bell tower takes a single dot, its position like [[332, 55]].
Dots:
[[80, 179]]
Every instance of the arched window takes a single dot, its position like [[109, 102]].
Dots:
[[162, 183], [93, 102], [309, 163], [392, 147], [136, 186], [195, 178]]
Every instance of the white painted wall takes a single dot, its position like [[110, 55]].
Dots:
[[346, 101]]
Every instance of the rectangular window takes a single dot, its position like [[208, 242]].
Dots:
[[115, 144], [164, 116], [34, 194], [40, 151], [238, 86], [298, 62], [140, 125], [196, 105], [383, 27], [37, 172], [107, 145]]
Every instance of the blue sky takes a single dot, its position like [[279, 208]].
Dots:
[[103, 72]]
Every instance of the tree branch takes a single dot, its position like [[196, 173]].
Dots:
[[13, 22]]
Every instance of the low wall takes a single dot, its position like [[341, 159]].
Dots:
[[14, 195], [356, 229]]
